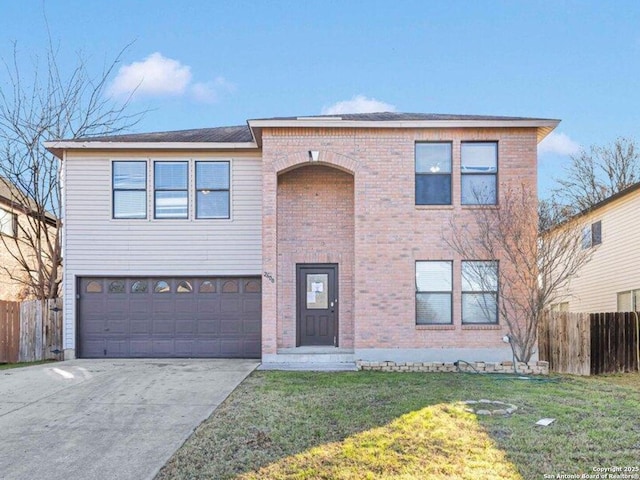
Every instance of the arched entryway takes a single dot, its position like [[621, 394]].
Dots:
[[315, 257]]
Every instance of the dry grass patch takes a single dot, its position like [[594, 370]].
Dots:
[[441, 441]]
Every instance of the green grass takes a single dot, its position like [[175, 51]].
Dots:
[[360, 425], [7, 366]]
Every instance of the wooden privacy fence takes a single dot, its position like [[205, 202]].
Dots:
[[28, 335], [590, 343], [9, 331]]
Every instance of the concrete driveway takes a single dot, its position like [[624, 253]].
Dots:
[[106, 419]]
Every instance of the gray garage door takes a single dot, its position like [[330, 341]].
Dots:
[[169, 317]]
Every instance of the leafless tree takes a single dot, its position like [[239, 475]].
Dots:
[[39, 102], [597, 174], [534, 264]]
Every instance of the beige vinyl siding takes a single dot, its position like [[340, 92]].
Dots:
[[95, 244], [614, 265]]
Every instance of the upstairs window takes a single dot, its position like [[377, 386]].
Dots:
[[212, 189], [129, 189], [171, 189], [433, 173], [479, 173], [479, 292], [8, 223], [434, 284], [592, 235]]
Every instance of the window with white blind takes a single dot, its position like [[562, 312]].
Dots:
[[434, 286]]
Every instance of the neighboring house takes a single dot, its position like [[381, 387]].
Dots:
[[12, 214], [610, 281], [15, 229], [10, 289], [300, 238]]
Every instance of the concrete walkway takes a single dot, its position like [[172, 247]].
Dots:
[[106, 419]]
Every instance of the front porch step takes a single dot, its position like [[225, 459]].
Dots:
[[310, 358], [310, 366]]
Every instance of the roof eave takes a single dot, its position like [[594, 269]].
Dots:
[[543, 126], [58, 147]]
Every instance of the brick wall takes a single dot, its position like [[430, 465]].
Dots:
[[391, 233], [315, 225]]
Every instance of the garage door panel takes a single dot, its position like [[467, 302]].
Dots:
[[140, 347], [117, 347], [231, 347], [210, 326], [251, 305], [252, 348], [230, 325], [139, 327], [207, 304], [250, 327], [230, 304], [148, 317], [185, 327], [163, 326]]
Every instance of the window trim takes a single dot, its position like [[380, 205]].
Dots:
[[156, 190], [481, 292], [197, 190], [14, 223], [632, 293], [432, 174], [494, 174], [449, 292], [592, 235], [145, 190]]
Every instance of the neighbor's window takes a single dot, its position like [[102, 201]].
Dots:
[[592, 235], [129, 189], [8, 223], [479, 292], [212, 189], [560, 307], [629, 301], [433, 173], [434, 285], [170, 181], [479, 173]]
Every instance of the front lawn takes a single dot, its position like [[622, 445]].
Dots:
[[371, 425]]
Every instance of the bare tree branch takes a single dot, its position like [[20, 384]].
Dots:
[[595, 175], [532, 266], [51, 105]]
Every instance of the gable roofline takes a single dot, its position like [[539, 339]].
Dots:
[[544, 126], [58, 147], [616, 196], [249, 136], [13, 198], [594, 208]]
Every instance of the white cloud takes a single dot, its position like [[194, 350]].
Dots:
[[559, 144], [358, 104], [209, 92], [154, 76], [158, 76]]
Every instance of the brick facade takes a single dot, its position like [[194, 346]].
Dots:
[[315, 225], [366, 220]]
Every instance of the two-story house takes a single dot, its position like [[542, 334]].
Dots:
[[299, 238], [610, 281]]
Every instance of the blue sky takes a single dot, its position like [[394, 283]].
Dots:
[[210, 63]]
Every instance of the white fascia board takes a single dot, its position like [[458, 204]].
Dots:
[[544, 126], [69, 145]]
